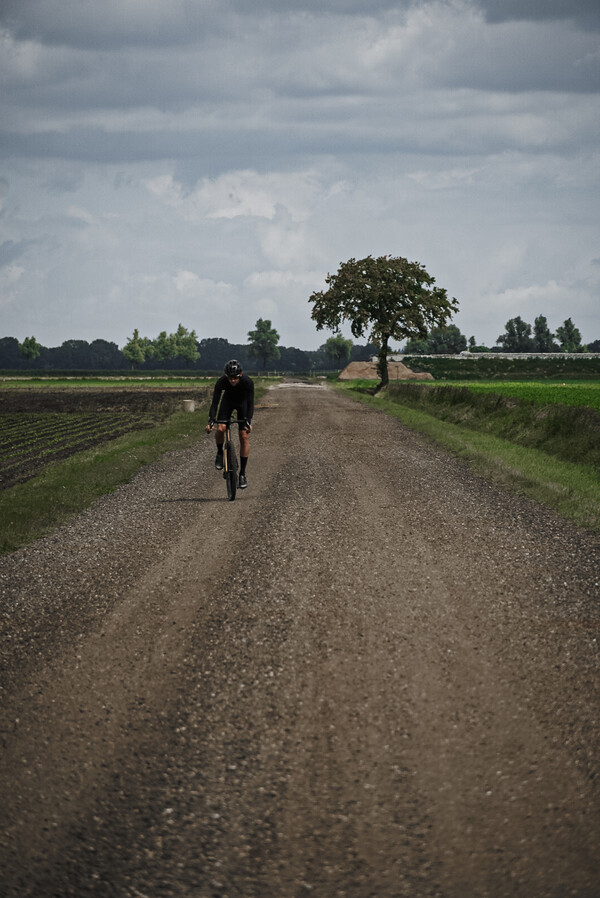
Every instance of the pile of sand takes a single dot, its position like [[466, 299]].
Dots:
[[368, 371]]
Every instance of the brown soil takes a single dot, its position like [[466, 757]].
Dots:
[[153, 403], [368, 371], [373, 674], [67, 399]]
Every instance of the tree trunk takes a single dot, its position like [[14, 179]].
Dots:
[[382, 365]]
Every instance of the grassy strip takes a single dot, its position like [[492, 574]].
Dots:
[[570, 433], [28, 510], [571, 489]]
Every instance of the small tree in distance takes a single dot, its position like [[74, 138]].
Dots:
[[543, 338], [185, 344], [338, 349], [569, 337], [440, 341], [30, 348], [263, 342], [137, 349], [387, 298], [517, 337]]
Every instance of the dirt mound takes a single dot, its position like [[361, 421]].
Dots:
[[368, 371]]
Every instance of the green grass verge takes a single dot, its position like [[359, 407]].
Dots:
[[572, 489]]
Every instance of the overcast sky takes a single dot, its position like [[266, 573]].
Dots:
[[210, 161]]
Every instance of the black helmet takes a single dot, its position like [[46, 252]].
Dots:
[[233, 368]]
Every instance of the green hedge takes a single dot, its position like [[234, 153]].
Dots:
[[488, 367]]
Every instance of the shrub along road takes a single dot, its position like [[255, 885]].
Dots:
[[373, 674]]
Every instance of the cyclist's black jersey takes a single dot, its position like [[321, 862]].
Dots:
[[239, 396]]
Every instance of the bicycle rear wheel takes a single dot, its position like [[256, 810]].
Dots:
[[231, 466]]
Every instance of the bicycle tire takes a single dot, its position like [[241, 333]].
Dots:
[[231, 471]]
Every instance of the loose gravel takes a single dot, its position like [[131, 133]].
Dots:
[[373, 674]]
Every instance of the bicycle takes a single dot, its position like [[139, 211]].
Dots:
[[230, 462]]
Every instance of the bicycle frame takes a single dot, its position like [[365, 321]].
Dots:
[[230, 463]]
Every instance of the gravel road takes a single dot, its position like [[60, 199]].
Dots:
[[373, 674]]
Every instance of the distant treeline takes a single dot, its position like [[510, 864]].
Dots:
[[101, 355]]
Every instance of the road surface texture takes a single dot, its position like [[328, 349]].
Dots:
[[373, 674]]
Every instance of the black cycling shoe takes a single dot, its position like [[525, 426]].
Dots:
[[219, 461], [243, 483]]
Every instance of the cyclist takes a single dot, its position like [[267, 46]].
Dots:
[[234, 390]]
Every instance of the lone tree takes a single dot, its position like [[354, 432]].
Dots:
[[387, 298], [263, 342]]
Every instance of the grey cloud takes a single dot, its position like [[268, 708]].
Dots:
[[585, 12], [10, 251], [121, 23], [525, 57]]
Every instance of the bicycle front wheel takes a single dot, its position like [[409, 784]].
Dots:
[[231, 471]]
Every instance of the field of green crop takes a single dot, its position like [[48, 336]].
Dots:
[[539, 393]]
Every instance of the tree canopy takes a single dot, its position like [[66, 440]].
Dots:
[[263, 342], [440, 341], [543, 338], [182, 344], [337, 349], [30, 348], [569, 337], [517, 336], [386, 298], [137, 349]]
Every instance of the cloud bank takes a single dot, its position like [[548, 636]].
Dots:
[[209, 162]]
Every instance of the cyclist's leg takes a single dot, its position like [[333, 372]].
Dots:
[[244, 443], [244, 453], [223, 414], [220, 436]]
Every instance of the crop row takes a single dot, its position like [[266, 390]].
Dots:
[[33, 440], [30, 431]]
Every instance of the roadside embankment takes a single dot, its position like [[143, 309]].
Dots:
[[550, 453], [571, 433]]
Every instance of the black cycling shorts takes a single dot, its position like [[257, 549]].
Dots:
[[226, 410]]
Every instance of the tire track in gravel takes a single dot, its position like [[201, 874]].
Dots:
[[374, 674]]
